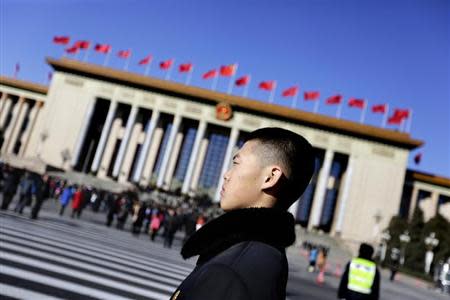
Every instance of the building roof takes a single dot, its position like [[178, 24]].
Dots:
[[391, 137], [24, 85], [415, 175]]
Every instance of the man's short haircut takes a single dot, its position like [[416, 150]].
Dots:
[[295, 155]]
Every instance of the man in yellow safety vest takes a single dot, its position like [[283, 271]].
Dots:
[[361, 279]]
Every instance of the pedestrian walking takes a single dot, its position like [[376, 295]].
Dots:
[[10, 184], [155, 224], [242, 252], [313, 252], [65, 198], [26, 189], [77, 202], [361, 279]]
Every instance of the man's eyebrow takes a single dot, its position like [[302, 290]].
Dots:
[[236, 156]]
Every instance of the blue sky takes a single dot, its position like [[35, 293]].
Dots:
[[395, 52]]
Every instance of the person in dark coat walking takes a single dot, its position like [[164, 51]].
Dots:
[[361, 278], [242, 253], [10, 184]]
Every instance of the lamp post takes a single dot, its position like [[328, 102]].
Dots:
[[404, 239], [385, 238], [430, 242]]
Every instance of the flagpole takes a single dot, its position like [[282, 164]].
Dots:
[[105, 62], [363, 113], [147, 68], [127, 61], [408, 127], [189, 75], [316, 105], [385, 116], [338, 111], [214, 83], [230, 84], [294, 101], [246, 86], [170, 70], [272, 93], [86, 54]]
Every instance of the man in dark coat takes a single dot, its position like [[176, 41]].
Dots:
[[242, 253], [361, 279]]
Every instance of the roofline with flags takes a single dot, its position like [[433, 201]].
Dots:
[[25, 85], [391, 137]]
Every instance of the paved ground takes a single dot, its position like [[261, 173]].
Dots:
[[59, 257]]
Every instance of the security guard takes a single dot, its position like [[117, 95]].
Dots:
[[361, 279]]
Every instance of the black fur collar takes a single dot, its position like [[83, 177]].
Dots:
[[271, 226]]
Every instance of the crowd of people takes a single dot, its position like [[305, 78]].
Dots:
[[150, 216]]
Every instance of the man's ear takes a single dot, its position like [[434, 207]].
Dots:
[[273, 176]]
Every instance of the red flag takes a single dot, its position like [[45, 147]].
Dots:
[[358, 103], [244, 80], [165, 65], [380, 108], [82, 44], [61, 40], [418, 158], [210, 74], [311, 95], [124, 53], [267, 85], [336, 99], [146, 60], [395, 120], [401, 113], [17, 69], [50, 75], [290, 92], [183, 68], [102, 48], [72, 50], [228, 70]]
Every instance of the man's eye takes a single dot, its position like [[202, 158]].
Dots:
[[234, 162]]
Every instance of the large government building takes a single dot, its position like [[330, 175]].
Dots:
[[136, 129]]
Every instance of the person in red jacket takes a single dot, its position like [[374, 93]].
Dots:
[[77, 202]]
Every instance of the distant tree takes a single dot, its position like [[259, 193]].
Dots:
[[415, 250], [396, 227], [441, 227]]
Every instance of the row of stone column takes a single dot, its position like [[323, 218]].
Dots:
[[13, 130], [323, 180], [150, 140]]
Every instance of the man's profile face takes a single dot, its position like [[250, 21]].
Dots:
[[242, 182]]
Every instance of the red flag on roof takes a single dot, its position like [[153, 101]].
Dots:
[[102, 48], [61, 40], [146, 60], [82, 44], [401, 113], [313, 95], [380, 108], [244, 80], [228, 70], [336, 99], [267, 85], [395, 119], [185, 68], [358, 103], [210, 74], [165, 65], [72, 50], [290, 92], [418, 158], [124, 53]]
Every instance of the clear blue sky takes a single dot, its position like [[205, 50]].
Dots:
[[380, 50]]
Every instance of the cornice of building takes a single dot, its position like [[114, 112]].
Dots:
[[414, 175], [24, 85], [391, 137]]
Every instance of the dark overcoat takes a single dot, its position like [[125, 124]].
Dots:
[[241, 256]]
